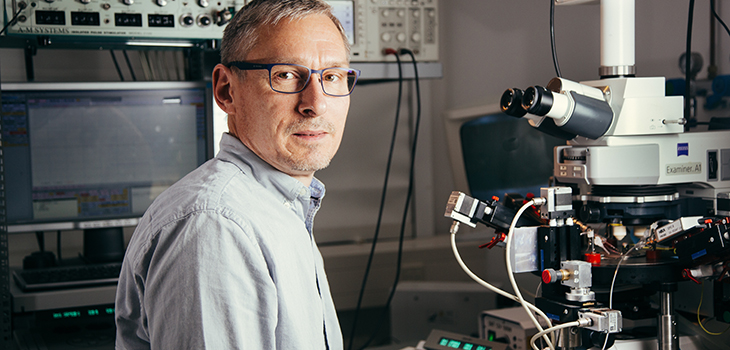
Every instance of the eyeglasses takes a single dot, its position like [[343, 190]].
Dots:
[[289, 78]]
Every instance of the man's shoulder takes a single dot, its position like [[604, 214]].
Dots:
[[214, 196], [210, 186]]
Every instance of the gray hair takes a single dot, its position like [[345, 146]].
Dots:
[[241, 34]]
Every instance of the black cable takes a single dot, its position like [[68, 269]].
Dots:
[[687, 63], [712, 67], [116, 65], [714, 13], [21, 7], [408, 197], [40, 238], [552, 39], [58, 246], [382, 202], [129, 65]]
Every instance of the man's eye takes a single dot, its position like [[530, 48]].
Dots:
[[286, 75], [332, 77]]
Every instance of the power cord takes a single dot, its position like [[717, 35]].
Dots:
[[552, 39], [21, 7], [714, 13], [408, 196], [382, 200], [688, 64], [116, 65], [129, 65]]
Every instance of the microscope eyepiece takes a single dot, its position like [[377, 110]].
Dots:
[[511, 103], [537, 100]]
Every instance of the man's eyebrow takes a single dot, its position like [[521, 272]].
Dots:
[[337, 63], [299, 61], [342, 64]]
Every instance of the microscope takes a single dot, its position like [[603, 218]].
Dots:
[[638, 204]]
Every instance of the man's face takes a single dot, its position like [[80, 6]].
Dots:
[[296, 133]]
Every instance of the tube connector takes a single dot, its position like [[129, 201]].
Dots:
[[454, 227], [539, 201], [585, 322], [602, 320]]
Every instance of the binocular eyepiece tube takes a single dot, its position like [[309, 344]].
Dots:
[[535, 100], [572, 108], [511, 103]]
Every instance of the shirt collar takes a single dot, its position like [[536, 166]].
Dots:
[[234, 151]]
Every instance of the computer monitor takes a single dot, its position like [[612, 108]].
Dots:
[[493, 153], [95, 155]]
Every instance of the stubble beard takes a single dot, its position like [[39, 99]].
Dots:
[[313, 157], [313, 161]]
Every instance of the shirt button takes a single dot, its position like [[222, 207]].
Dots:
[[303, 191], [286, 204]]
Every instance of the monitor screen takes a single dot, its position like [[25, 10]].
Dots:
[[91, 155], [503, 154], [493, 153]]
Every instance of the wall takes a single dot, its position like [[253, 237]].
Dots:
[[487, 46]]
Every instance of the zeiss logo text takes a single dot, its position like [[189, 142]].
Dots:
[[682, 149]]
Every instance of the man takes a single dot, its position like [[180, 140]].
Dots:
[[225, 258]]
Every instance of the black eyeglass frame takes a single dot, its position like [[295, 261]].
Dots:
[[243, 65]]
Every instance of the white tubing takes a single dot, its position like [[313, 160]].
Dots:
[[508, 263], [551, 329], [493, 288]]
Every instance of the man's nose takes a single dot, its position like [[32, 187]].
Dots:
[[313, 100]]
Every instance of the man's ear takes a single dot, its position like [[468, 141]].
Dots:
[[223, 88]]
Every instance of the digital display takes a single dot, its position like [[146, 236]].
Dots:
[[457, 344], [87, 312], [345, 12], [443, 340]]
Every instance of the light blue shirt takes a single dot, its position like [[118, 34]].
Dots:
[[225, 259]]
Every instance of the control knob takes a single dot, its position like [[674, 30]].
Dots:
[[552, 276], [204, 20], [187, 20]]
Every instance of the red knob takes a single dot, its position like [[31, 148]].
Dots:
[[550, 276], [593, 258]]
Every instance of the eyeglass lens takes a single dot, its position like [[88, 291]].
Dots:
[[292, 78]]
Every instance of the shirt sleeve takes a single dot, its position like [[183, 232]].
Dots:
[[207, 286]]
